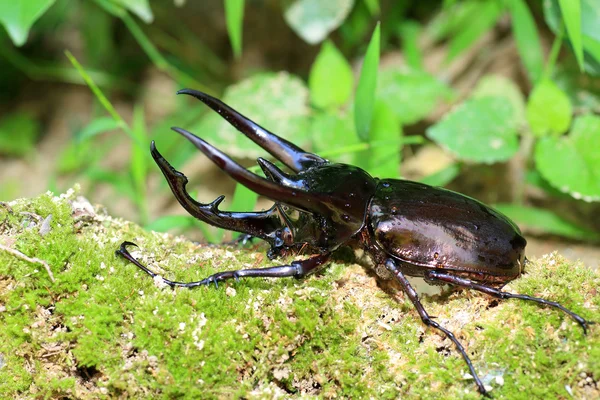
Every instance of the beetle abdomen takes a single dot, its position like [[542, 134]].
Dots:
[[437, 228]]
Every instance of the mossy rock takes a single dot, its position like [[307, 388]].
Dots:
[[103, 329]]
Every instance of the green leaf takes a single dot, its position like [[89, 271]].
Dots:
[[527, 38], [548, 110], [384, 161], [333, 128], [442, 177], [486, 16], [18, 134], [412, 95], [97, 127], [234, 14], [572, 163], [330, 81], [544, 221], [367, 85], [480, 130], [18, 16], [276, 101], [571, 12], [313, 20], [499, 86], [243, 200]]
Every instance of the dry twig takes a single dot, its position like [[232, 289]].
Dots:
[[22, 256]]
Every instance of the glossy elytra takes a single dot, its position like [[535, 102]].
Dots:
[[406, 227]]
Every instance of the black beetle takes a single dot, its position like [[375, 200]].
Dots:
[[407, 227]]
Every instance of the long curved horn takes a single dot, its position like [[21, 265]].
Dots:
[[286, 152], [261, 224], [296, 197]]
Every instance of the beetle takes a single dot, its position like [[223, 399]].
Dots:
[[407, 228]]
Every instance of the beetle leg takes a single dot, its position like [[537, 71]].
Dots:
[[263, 224], [414, 298], [286, 152], [455, 280], [296, 269]]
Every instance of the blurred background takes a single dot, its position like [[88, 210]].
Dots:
[[497, 99]]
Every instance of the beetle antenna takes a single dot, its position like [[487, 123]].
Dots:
[[286, 152]]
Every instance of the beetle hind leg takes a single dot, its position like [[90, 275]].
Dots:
[[296, 269], [427, 320], [458, 281]]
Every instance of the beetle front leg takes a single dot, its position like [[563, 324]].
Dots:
[[455, 280], [414, 298], [296, 269]]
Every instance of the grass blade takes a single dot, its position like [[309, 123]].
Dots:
[[571, 12], [527, 38], [367, 85], [234, 13]]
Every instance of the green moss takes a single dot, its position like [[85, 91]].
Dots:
[[103, 329]]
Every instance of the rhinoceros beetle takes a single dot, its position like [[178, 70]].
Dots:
[[407, 228]]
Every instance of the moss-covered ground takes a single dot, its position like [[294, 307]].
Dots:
[[103, 329]]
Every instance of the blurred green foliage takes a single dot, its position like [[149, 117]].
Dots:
[[355, 115]]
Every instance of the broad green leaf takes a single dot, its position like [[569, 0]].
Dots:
[[572, 163], [364, 100], [545, 221], [330, 81], [333, 131], [412, 95], [141, 8], [18, 134], [487, 14], [527, 38], [234, 14], [571, 12], [499, 86], [276, 101], [384, 161], [96, 127], [442, 177], [313, 20], [18, 16], [480, 130], [548, 110]]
